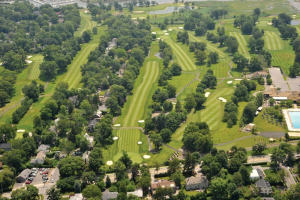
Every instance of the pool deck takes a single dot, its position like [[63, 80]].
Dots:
[[288, 119]]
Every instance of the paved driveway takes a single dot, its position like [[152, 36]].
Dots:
[[294, 84], [258, 159], [271, 134], [277, 79]]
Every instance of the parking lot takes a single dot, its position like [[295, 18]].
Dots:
[[278, 80], [53, 173]]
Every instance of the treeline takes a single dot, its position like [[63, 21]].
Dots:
[[283, 24], [198, 22], [247, 23], [21, 111], [7, 80], [241, 93], [165, 53]]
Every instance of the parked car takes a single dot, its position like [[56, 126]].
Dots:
[[52, 181], [45, 178], [44, 181], [33, 169], [27, 182], [30, 178], [41, 173], [43, 169], [45, 172], [33, 174], [45, 175]]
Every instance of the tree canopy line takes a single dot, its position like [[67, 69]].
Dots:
[[25, 29]]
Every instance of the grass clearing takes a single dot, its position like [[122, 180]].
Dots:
[[180, 81]]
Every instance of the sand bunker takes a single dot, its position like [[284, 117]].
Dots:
[[167, 34], [109, 162], [1, 63], [207, 94], [170, 29], [20, 131], [270, 23], [146, 156], [238, 79], [117, 125], [141, 121], [133, 18], [140, 142], [28, 61], [229, 82], [165, 31], [173, 103], [115, 138], [138, 11], [222, 99], [29, 56], [180, 27], [158, 38], [256, 22], [154, 33]]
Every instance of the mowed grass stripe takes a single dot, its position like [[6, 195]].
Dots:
[[128, 139], [73, 76], [179, 57], [139, 99], [242, 43], [139, 107], [35, 70], [272, 42], [209, 46], [189, 63], [267, 39], [278, 41]]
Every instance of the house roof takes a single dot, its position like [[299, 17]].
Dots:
[[41, 155], [263, 183], [43, 147], [102, 108], [163, 183], [277, 95], [93, 123], [5, 146], [25, 173], [256, 173], [195, 180], [137, 192], [109, 195], [77, 196]]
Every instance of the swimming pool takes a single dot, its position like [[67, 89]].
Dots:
[[295, 118]]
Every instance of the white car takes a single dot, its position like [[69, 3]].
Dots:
[[41, 173], [52, 181]]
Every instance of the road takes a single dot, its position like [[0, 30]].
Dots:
[[276, 145], [289, 179]]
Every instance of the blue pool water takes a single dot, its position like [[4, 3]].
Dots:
[[295, 118]]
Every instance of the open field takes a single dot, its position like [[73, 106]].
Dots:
[[128, 139], [34, 67], [273, 41], [180, 81], [189, 89]]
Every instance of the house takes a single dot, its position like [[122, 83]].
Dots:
[[98, 114], [257, 74], [256, 174], [1, 165], [264, 187], [90, 139], [164, 184], [44, 147], [5, 146], [39, 159], [23, 175], [86, 156], [77, 196], [196, 183], [73, 99], [137, 192], [92, 125], [282, 96], [109, 195], [56, 121], [77, 152], [52, 129]]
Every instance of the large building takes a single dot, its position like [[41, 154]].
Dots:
[[196, 183], [282, 96], [23, 175]]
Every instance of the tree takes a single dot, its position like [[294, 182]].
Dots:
[[103, 133], [189, 163], [120, 169], [277, 157], [167, 106], [218, 188], [157, 140], [125, 159], [96, 159], [171, 90], [190, 102], [175, 69], [107, 182], [178, 107], [69, 166], [53, 194], [91, 191], [247, 28], [112, 104], [30, 193], [213, 57], [245, 174], [259, 146], [200, 31], [137, 54], [6, 178], [48, 69], [4, 98], [67, 146], [200, 56], [174, 166], [177, 177], [31, 91], [87, 35], [88, 109], [166, 135]]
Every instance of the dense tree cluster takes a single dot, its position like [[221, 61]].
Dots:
[[256, 42], [22, 110], [246, 23], [283, 24], [200, 23], [197, 137], [168, 73], [166, 53], [218, 14], [250, 109], [7, 81], [183, 37]]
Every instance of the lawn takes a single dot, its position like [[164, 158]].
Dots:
[[189, 89], [180, 81], [272, 41], [243, 44], [34, 67], [127, 141], [85, 24], [135, 108]]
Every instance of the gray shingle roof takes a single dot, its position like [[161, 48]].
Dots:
[[5, 146], [263, 183]]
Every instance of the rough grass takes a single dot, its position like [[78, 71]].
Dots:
[[127, 141]]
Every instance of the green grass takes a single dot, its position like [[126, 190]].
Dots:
[[242, 43], [34, 67], [272, 41], [180, 81], [189, 89], [86, 24], [127, 141], [135, 107]]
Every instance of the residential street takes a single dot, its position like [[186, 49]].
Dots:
[[289, 179], [261, 158]]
